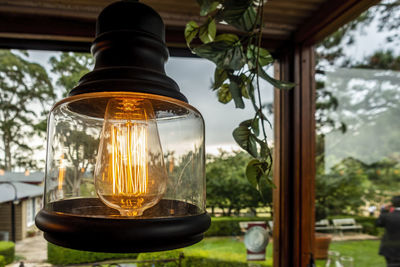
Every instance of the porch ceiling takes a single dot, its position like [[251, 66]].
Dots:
[[70, 24]]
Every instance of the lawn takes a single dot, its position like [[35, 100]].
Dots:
[[365, 253], [225, 248]]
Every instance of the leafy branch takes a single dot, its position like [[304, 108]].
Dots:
[[240, 63]]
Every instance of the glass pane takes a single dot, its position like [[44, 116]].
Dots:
[[357, 151]]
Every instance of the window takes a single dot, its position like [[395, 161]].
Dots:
[[30, 211], [357, 143]]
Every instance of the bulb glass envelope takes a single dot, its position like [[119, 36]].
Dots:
[[146, 162]]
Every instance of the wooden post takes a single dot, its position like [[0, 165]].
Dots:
[[294, 167]]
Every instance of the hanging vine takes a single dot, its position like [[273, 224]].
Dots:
[[240, 63]]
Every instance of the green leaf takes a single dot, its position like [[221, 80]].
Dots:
[[254, 172], [241, 135], [244, 81], [238, 59], [224, 95], [264, 59], [214, 51], [225, 52], [253, 146], [207, 31], [245, 94], [191, 31], [276, 83], [227, 37], [240, 14], [264, 150], [246, 140], [255, 126], [264, 187], [220, 76], [246, 123], [207, 6], [236, 94]]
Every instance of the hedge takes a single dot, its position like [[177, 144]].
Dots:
[[7, 250], [229, 226], [171, 254], [62, 256], [189, 260], [2, 261]]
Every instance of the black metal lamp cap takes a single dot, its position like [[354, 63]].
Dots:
[[130, 53], [130, 15]]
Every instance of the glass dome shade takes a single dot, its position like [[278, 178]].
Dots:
[[144, 165]]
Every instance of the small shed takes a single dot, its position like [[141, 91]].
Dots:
[[19, 203], [35, 178]]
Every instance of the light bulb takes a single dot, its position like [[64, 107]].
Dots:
[[130, 174]]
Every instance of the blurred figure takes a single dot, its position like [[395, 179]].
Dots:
[[384, 208], [390, 244]]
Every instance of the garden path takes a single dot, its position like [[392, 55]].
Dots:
[[354, 237], [33, 251]]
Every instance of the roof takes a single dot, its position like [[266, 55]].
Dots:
[[7, 191], [70, 24], [33, 177]]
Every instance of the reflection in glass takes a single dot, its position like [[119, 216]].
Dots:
[[347, 261]]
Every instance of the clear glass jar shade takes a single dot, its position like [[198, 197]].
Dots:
[[125, 154]]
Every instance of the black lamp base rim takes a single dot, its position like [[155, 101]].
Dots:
[[101, 245], [122, 235]]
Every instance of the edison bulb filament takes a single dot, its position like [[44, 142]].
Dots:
[[130, 173]]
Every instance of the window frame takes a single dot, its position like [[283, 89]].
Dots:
[[294, 121]]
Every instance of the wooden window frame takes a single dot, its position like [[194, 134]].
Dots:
[[294, 165], [294, 118]]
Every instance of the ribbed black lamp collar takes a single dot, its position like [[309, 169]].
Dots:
[[130, 53]]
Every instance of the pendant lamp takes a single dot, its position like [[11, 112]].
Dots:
[[125, 166]]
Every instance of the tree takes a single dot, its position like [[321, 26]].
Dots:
[[70, 67], [181, 168], [343, 190], [80, 152], [80, 143], [227, 187], [25, 88]]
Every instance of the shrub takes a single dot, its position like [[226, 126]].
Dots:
[[2, 261], [200, 261], [172, 254], [368, 224], [229, 226], [62, 256], [7, 250], [191, 259]]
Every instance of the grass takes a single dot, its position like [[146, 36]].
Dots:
[[225, 248], [365, 253], [225, 218]]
